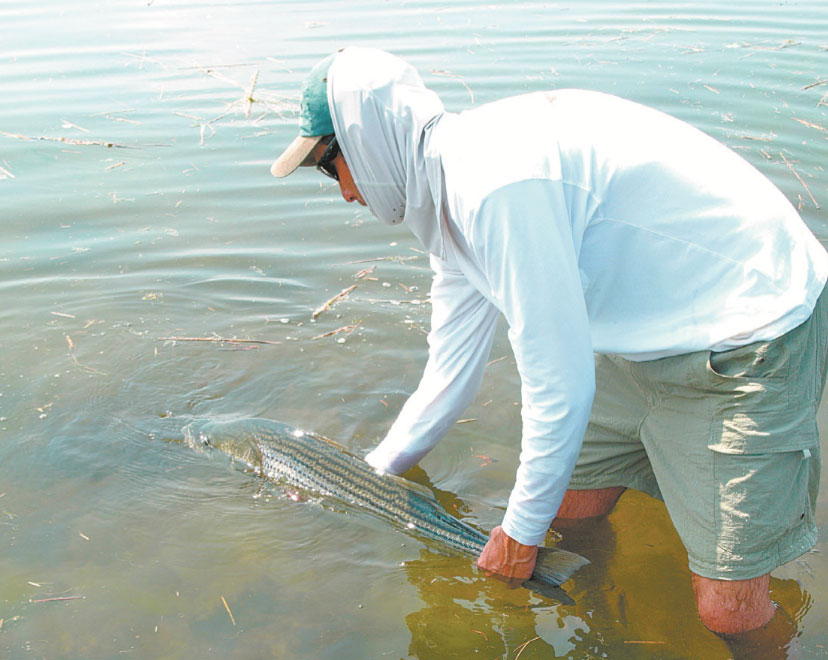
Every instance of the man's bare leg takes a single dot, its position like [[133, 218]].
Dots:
[[589, 503], [733, 606], [727, 607]]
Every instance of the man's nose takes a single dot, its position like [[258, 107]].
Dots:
[[347, 193]]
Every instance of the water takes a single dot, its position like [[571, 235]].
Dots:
[[178, 230]]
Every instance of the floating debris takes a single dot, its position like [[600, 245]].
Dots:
[[810, 124], [523, 646], [227, 607], [249, 100], [332, 301], [56, 598], [815, 84], [345, 328], [223, 340], [457, 76], [796, 174], [74, 142], [364, 272]]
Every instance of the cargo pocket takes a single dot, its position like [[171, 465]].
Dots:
[[765, 432], [766, 471]]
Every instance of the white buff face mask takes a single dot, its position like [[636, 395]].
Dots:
[[383, 115]]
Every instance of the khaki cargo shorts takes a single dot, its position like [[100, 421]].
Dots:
[[727, 440]]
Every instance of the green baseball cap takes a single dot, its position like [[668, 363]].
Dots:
[[314, 121]]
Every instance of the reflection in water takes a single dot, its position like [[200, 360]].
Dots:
[[633, 601], [465, 613], [638, 589], [463, 610], [771, 642]]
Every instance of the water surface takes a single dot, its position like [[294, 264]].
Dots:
[[115, 540]]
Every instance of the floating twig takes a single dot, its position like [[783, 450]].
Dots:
[[83, 367], [364, 272], [815, 84], [69, 124], [345, 328], [392, 301], [223, 340], [523, 646], [796, 174], [134, 122], [56, 598], [227, 607], [809, 124], [758, 138], [788, 43], [271, 102], [329, 303], [486, 461], [449, 74], [65, 140], [249, 100], [398, 260]]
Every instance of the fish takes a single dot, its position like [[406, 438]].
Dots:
[[310, 462]]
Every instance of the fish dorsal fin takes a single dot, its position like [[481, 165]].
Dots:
[[421, 490]]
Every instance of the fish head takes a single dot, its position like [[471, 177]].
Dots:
[[234, 439]]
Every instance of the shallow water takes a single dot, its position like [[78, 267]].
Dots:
[[178, 230]]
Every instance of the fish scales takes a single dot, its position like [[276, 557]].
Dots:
[[296, 461], [310, 462]]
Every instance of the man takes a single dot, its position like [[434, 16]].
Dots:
[[625, 249]]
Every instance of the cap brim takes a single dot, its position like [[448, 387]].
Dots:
[[298, 153]]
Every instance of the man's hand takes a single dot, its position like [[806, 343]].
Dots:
[[506, 560]]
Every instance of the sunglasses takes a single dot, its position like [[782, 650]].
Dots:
[[326, 163]]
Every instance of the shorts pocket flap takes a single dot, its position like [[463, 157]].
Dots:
[[766, 432]]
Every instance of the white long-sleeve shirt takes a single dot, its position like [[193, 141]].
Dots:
[[592, 224]]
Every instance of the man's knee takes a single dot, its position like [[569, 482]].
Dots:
[[589, 503], [733, 606]]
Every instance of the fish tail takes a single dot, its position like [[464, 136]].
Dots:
[[555, 566]]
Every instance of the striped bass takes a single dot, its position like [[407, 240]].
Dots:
[[315, 464]]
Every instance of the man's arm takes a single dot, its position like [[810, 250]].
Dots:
[[524, 243], [463, 324]]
